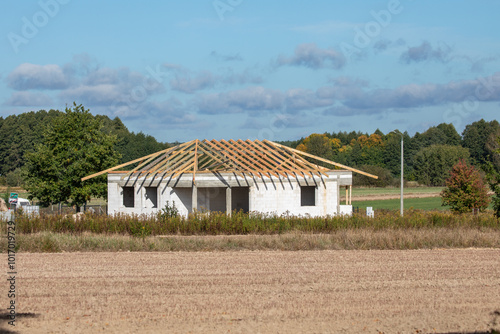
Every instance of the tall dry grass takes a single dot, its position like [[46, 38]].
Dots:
[[348, 239], [216, 231], [215, 223]]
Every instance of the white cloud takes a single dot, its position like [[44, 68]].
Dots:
[[256, 99], [28, 99], [101, 94], [31, 76], [188, 84]]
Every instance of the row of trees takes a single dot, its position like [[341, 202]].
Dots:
[[428, 156], [51, 151], [21, 134]]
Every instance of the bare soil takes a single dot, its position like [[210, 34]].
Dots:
[[394, 196], [418, 291], [407, 194]]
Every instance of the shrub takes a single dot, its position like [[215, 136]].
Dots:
[[169, 211], [385, 177]]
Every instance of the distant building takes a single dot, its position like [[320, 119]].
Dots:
[[260, 176]]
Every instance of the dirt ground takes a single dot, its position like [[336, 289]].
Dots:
[[419, 291], [393, 196], [407, 194]]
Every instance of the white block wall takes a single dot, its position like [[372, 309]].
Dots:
[[286, 197], [277, 197]]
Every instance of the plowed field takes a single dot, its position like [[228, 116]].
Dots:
[[416, 291]]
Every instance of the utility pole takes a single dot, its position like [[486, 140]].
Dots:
[[402, 168]]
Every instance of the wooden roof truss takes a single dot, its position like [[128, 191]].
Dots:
[[244, 158]]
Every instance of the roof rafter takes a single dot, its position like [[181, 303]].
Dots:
[[253, 158]]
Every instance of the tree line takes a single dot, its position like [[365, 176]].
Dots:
[[428, 156], [49, 152], [21, 134]]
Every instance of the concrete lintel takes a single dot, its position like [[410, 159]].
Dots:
[[345, 182], [221, 180]]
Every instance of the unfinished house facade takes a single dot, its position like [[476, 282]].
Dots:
[[260, 176]]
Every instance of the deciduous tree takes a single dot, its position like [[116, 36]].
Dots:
[[73, 147], [475, 138], [493, 177], [320, 145], [465, 189]]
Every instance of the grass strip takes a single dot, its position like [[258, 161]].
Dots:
[[348, 239]]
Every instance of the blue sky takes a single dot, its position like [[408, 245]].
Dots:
[[180, 70]]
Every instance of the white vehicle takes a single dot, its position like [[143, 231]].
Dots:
[[19, 202]]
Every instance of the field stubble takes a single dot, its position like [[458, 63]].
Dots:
[[419, 291]]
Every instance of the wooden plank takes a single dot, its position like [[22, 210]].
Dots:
[[195, 164], [313, 167], [217, 164], [188, 158], [226, 154], [255, 158], [260, 161], [117, 167], [253, 164], [204, 160], [204, 147], [128, 163], [284, 157], [288, 157], [323, 160], [265, 156], [241, 168], [248, 166], [185, 168]]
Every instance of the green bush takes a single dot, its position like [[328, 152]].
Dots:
[[385, 177]]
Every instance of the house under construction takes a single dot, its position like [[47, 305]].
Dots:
[[260, 176]]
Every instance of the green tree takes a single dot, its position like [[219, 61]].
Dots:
[[129, 144], [392, 154], [451, 136], [385, 178], [492, 170], [320, 145], [465, 189], [14, 178], [367, 150], [20, 134], [73, 147], [432, 164], [475, 138]]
